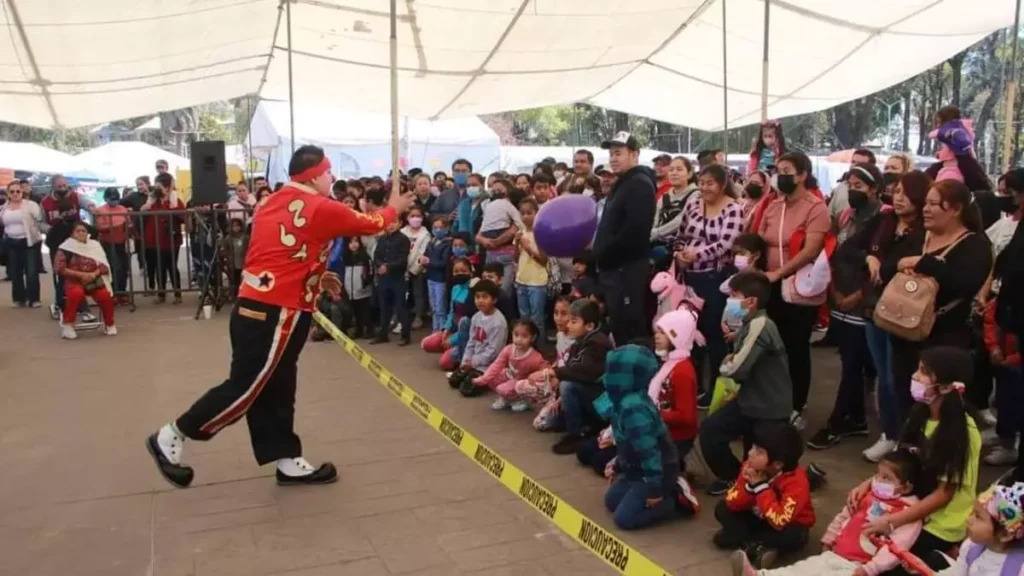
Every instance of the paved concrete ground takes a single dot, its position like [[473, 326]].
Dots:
[[79, 494]]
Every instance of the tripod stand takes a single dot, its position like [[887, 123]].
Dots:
[[211, 289]]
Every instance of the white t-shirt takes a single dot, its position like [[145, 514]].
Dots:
[[14, 224]]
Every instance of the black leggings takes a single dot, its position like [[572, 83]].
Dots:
[[795, 324], [161, 264]]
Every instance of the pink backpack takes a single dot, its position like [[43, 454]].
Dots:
[[672, 294]]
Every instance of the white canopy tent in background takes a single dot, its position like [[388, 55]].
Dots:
[[520, 159], [74, 63], [126, 161], [33, 158], [359, 144]]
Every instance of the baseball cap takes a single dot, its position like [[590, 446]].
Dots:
[[601, 170], [621, 139]]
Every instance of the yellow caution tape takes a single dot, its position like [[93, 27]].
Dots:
[[590, 534]]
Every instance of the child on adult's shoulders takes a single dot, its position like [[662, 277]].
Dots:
[[488, 333], [845, 549], [580, 378], [768, 510]]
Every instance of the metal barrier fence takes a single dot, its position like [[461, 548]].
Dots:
[[156, 252]]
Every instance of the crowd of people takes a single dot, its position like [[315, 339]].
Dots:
[[700, 281], [700, 292]]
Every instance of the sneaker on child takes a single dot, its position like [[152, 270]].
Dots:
[[879, 449]]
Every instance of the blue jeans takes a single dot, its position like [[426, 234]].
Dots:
[[23, 270], [438, 303], [627, 501], [391, 296], [462, 331], [889, 405], [573, 398], [707, 285], [507, 259], [532, 301]]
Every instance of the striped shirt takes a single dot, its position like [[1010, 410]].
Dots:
[[711, 237]]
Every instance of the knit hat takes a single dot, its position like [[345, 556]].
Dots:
[[1006, 505], [681, 328]]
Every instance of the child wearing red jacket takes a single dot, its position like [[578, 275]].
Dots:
[[674, 387], [1004, 352], [768, 510]]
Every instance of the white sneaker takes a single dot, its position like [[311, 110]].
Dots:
[[987, 417], [1001, 456], [171, 443], [68, 332], [397, 329], [879, 449], [500, 404], [797, 420], [110, 330], [521, 406], [87, 317], [55, 312]]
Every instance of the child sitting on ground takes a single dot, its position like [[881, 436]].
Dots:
[[941, 428], [580, 378], [494, 271], [995, 535], [645, 470], [488, 332], [758, 364], [449, 342], [540, 387], [515, 362], [768, 511], [845, 550], [673, 389]]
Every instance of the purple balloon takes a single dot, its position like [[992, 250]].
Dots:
[[565, 226]]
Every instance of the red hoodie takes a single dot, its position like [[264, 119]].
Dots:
[[782, 501]]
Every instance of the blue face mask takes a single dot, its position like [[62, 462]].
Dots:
[[473, 191], [734, 309], [459, 251], [440, 233], [460, 179]]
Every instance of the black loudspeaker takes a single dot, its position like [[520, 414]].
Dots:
[[209, 173]]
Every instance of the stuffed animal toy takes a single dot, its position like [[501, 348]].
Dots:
[[672, 294]]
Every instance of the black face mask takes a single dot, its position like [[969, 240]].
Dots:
[[857, 199], [460, 278], [754, 191], [786, 183], [1007, 204], [890, 178]]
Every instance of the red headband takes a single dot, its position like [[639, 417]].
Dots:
[[313, 171]]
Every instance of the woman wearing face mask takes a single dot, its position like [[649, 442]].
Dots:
[[712, 221], [794, 225], [850, 283], [758, 186], [419, 238], [887, 238], [21, 218], [114, 226], [895, 166]]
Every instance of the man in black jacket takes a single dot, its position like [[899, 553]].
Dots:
[[622, 245]]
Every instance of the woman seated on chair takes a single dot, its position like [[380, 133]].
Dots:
[[83, 264]]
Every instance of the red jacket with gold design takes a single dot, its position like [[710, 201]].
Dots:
[[290, 241], [782, 501]]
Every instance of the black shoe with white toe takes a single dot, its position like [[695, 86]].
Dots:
[[179, 475], [325, 474]]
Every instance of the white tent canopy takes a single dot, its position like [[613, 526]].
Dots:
[[73, 63], [33, 158], [126, 161], [359, 144]]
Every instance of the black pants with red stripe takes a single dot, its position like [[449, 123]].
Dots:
[[266, 342]]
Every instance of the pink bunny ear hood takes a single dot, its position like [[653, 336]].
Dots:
[[681, 328]]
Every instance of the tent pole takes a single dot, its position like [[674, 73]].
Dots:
[[1011, 92], [395, 180], [764, 64], [248, 149], [725, 86], [291, 85]]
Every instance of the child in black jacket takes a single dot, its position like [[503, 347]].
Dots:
[[390, 261]]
